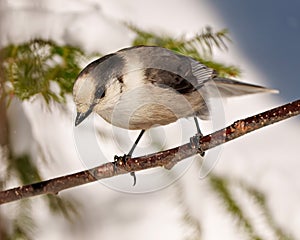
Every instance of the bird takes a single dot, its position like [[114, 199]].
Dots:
[[141, 87]]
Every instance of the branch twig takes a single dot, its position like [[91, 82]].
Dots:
[[167, 158]]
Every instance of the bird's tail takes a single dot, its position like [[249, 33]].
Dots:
[[229, 88]]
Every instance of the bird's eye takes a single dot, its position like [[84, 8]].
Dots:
[[100, 93]]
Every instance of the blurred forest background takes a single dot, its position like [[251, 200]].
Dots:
[[245, 196]]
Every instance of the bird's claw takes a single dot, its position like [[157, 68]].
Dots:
[[117, 160], [134, 178], [121, 160], [194, 141]]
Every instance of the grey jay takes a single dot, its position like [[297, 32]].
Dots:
[[145, 86]]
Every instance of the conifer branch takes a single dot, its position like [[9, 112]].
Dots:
[[167, 158]]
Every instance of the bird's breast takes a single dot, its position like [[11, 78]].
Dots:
[[146, 106]]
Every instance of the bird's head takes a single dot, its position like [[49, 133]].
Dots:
[[89, 87]]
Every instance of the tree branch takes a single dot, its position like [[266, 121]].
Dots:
[[167, 158]]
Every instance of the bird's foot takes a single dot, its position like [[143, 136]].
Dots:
[[194, 141], [121, 161]]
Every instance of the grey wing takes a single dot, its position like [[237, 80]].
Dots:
[[178, 72], [169, 69], [167, 79], [184, 75]]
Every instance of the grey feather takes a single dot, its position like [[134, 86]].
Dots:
[[165, 68], [226, 87], [104, 69], [166, 79]]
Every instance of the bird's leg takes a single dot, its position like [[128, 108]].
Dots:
[[195, 139], [131, 152], [136, 142], [127, 156]]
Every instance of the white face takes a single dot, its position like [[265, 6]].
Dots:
[[83, 93]]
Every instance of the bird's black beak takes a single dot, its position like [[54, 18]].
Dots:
[[81, 116]]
